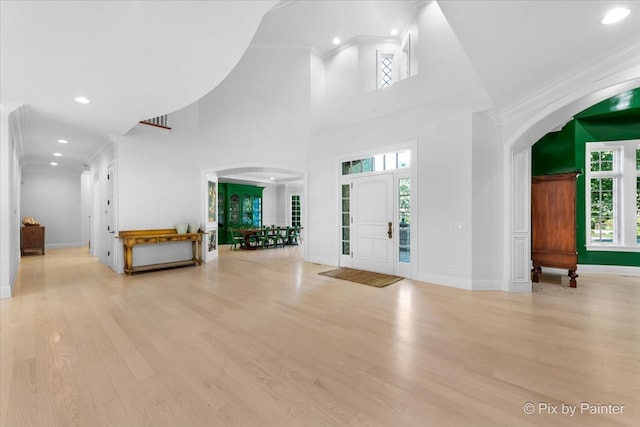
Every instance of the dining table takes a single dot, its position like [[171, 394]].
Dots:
[[247, 234]]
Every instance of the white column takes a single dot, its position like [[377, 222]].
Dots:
[[8, 259], [519, 275]]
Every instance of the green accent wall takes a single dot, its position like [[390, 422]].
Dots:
[[617, 118], [554, 153], [239, 206]]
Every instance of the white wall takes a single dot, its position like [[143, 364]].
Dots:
[[270, 205], [435, 108], [159, 183], [53, 199], [487, 209], [317, 91], [10, 176], [260, 113]]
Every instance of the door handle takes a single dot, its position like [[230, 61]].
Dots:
[[390, 230]]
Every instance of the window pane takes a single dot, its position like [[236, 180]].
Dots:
[[346, 168], [345, 233], [404, 159], [356, 166], [346, 248], [602, 224], [345, 191], [638, 209], [378, 163], [367, 165], [638, 159], [390, 161], [601, 161]]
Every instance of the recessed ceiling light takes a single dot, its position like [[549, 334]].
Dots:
[[336, 40], [63, 141], [394, 32], [615, 15], [82, 99], [272, 178], [53, 164], [57, 154]]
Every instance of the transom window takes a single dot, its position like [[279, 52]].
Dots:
[[378, 163]]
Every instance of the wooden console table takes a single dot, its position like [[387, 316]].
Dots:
[[130, 238], [31, 239]]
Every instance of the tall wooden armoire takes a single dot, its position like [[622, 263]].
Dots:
[[553, 224]]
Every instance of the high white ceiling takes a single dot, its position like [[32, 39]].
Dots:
[[139, 59], [316, 22], [132, 59], [519, 46]]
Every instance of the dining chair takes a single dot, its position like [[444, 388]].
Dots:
[[236, 239]]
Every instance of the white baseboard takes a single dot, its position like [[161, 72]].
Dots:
[[621, 270], [66, 245], [489, 285], [5, 291], [321, 260], [440, 279]]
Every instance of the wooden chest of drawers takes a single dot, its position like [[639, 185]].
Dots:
[[31, 239]]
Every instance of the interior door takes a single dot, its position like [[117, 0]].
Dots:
[[109, 222], [373, 226]]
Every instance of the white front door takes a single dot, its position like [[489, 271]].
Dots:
[[373, 229]]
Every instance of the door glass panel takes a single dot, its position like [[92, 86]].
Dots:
[[345, 237], [257, 211], [212, 202], [404, 209], [234, 210], [247, 210]]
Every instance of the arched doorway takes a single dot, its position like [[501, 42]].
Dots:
[[286, 186], [517, 171]]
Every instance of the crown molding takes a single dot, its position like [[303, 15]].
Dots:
[[623, 60]]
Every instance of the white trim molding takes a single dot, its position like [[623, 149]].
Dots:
[[625, 60]]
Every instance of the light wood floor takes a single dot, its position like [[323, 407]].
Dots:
[[260, 339]]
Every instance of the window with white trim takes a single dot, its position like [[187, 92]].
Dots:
[[638, 194], [387, 72], [295, 210], [613, 199]]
